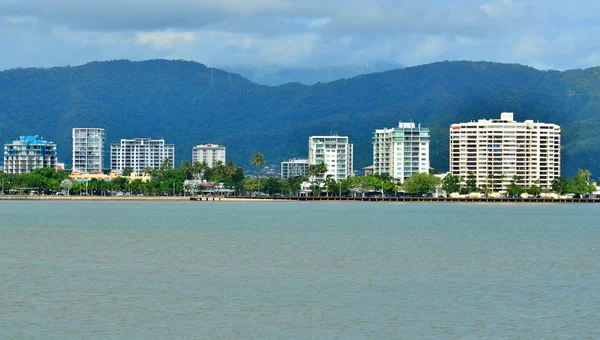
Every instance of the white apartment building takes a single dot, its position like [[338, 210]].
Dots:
[[27, 154], [402, 151], [139, 153], [88, 150], [335, 152], [209, 153], [496, 150], [294, 167]]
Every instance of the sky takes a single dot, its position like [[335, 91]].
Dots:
[[546, 34]]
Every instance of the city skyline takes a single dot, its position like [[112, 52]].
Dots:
[[401, 140]]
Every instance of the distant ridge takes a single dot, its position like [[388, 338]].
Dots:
[[188, 103], [273, 75]]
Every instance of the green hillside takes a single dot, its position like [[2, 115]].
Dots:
[[187, 104]]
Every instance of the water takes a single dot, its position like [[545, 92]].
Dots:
[[216, 270]]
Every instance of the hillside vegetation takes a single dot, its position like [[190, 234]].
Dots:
[[187, 104]]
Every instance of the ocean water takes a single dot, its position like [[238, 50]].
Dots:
[[298, 270]]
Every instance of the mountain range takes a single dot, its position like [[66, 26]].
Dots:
[[274, 75], [187, 103]]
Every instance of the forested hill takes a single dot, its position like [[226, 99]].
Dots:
[[187, 104]]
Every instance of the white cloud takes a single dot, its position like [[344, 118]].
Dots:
[[85, 38], [498, 8], [21, 20], [164, 40]]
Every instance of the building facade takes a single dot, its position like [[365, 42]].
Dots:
[[496, 150], [139, 153], [336, 152], [88, 150], [29, 153], [294, 167], [402, 151], [209, 153]]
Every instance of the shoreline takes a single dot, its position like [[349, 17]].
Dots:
[[200, 199]]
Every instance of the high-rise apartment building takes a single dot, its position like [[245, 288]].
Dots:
[[498, 149], [335, 152], [294, 167], [29, 153], [209, 153], [139, 153], [88, 150], [402, 151]]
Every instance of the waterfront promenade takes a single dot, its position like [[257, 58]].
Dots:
[[299, 199]]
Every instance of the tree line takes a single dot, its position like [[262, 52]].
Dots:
[[167, 180], [578, 185]]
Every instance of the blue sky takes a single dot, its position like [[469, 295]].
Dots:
[[547, 34]]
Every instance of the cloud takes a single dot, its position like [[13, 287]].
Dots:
[[163, 40], [300, 33]]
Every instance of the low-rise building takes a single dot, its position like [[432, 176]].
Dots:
[[29, 153]]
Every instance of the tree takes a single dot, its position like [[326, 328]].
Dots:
[[166, 164], [578, 186], [471, 183], [250, 184], [187, 169], [136, 186], [314, 171], [258, 160], [559, 185], [230, 169], [238, 179], [330, 185], [420, 183], [585, 174], [490, 184], [66, 186], [514, 189], [127, 172], [198, 169], [148, 171], [119, 183], [534, 190], [272, 186], [451, 184]]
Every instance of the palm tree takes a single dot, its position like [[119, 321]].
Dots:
[[148, 170], [490, 177], [230, 169], [258, 160], [219, 169], [585, 174], [200, 169], [166, 164], [186, 169], [316, 170]]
